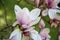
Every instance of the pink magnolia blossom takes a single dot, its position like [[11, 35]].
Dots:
[[54, 16], [26, 19], [49, 3], [45, 34]]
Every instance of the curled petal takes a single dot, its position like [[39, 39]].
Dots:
[[45, 12], [15, 35], [41, 24]]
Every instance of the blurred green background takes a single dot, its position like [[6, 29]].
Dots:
[[7, 17]]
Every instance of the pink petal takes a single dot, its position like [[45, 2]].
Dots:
[[36, 3], [41, 24], [44, 33], [45, 12]]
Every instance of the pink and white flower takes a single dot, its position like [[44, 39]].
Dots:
[[49, 3], [54, 16], [27, 19], [45, 34]]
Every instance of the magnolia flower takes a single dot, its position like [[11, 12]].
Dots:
[[34, 34], [45, 34], [41, 24], [54, 15], [15, 35], [48, 3], [27, 19]]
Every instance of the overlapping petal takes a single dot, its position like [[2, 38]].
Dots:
[[15, 35], [34, 35]]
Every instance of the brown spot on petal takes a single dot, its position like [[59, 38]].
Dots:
[[53, 25]]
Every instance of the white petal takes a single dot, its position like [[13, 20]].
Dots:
[[34, 13], [26, 11], [35, 36], [45, 30], [15, 35], [45, 12], [35, 21], [15, 23], [37, 3], [17, 9], [52, 13], [59, 37], [30, 29], [48, 39], [57, 16]]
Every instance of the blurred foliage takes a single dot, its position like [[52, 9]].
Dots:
[[7, 17]]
